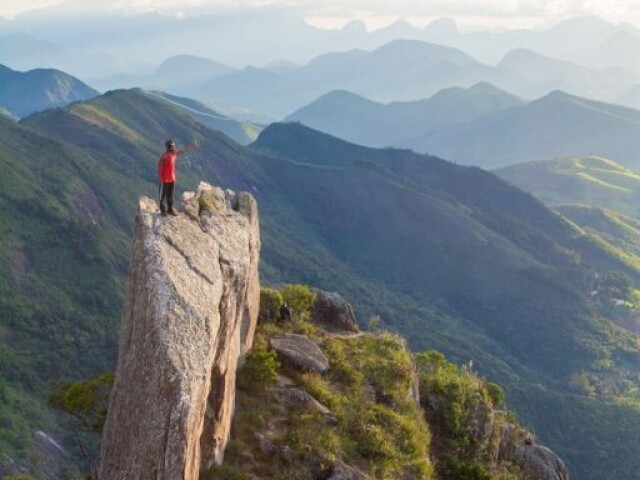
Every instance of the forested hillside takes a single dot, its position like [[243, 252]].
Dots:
[[451, 256]]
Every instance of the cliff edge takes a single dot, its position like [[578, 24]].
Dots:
[[191, 312]]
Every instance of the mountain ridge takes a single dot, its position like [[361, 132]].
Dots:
[[24, 93]]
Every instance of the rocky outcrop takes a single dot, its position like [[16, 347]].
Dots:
[[540, 463], [333, 313], [298, 398], [300, 351], [191, 312]]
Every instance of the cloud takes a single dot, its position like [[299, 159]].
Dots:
[[500, 10]]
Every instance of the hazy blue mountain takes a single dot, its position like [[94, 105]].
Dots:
[[137, 44], [180, 74], [407, 70], [571, 39], [261, 91], [400, 70], [363, 121], [621, 49], [22, 51], [23, 93], [545, 74], [555, 126]]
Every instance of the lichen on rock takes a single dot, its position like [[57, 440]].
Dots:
[[191, 313]]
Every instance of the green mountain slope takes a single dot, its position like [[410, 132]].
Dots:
[[554, 126], [23, 93], [455, 429], [451, 256], [362, 121], [596, 194], [589, 180]]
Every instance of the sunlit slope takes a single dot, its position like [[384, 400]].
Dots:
[[588, 180]]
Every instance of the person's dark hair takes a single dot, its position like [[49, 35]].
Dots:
[[169, 143]]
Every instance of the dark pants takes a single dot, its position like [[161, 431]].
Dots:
[[167, 196]]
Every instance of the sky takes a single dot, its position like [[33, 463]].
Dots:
[[375, 13]]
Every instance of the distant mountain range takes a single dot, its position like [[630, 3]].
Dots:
[[178, 74], [544, 74], [23, 93], [555, 126], [584, 56], [363, 121], [405, 70], [483, 125], [591, 41], [23, 51]]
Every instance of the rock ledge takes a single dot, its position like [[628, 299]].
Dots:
[[191, 312]]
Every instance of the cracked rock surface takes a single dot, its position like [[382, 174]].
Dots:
[[191, 312]]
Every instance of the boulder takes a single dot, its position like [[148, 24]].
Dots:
[[191, 312], [299, 398], [342, 471], [300, 351], [540, 463], [333, 313]]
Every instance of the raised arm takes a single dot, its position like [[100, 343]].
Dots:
[[188, 148]]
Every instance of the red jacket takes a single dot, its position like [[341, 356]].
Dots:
[[167, 164], [167, 167]]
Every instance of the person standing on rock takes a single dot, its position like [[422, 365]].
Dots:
[[167, 174]]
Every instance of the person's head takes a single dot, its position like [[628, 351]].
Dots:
[[170, 144]]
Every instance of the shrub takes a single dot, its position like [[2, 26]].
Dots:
[[300, 298], [471, 471], [259, 371], [85, 401], [270, 302], [496, 393]]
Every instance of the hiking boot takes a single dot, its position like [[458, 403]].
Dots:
[[172, 212]]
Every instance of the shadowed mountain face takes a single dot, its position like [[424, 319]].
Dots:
[[451, 256], [23, 93]]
